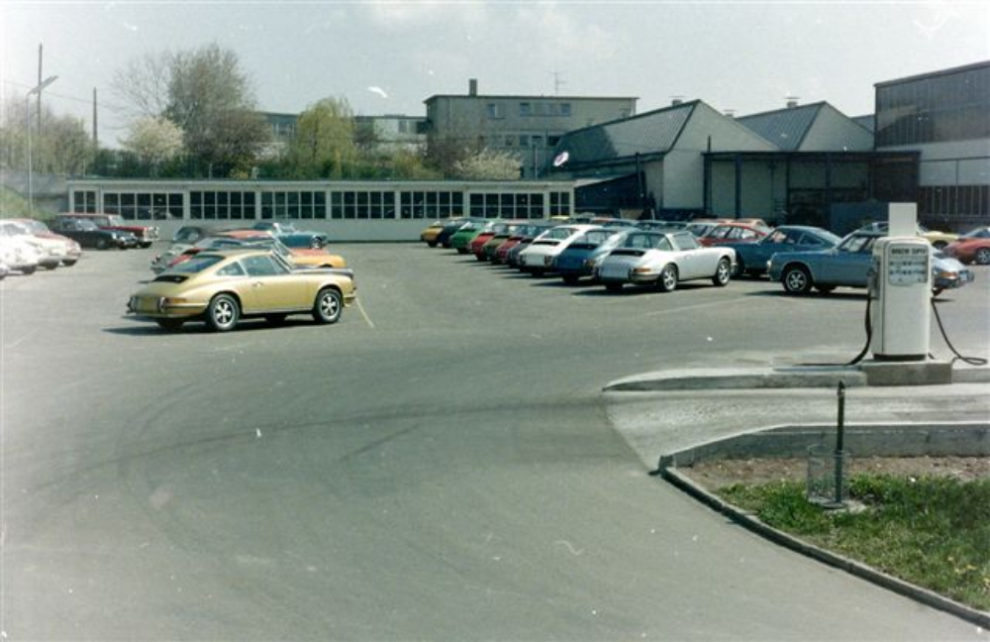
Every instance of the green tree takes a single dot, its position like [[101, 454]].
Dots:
[[323, 145], [211, 100], [62, 146]]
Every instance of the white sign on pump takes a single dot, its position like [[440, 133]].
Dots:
[[902, 219]]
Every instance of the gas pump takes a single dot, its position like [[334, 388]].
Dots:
[[900, 289]]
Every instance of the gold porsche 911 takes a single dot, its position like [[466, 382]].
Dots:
[[223, 287]]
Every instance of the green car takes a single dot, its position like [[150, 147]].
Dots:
[[463, 237]]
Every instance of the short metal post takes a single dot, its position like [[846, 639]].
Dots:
[[839, 441]]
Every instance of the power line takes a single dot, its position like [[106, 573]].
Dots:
[[77, 99]]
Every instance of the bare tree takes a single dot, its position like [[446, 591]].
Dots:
[[142, 85]]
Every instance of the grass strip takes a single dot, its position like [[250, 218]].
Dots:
[[931, 531]]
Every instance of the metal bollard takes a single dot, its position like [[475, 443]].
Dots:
[[839, 441]]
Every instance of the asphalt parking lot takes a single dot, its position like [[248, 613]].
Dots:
[[438, 465]]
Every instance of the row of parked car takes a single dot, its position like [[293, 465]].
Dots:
[[223, 275], [615, 252], [28, 244]]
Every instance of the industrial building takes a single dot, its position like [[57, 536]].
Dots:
[[527, 127], [796, 165], [945, 117]]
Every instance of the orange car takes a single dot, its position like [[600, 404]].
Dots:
[[300, 257]]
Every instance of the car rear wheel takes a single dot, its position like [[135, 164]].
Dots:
[[328, 306], [796, 280], [69, 262], [26, 271], [722, 272], [983, 256], [668, 278], [222, 313]]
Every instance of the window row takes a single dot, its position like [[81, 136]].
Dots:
[[143, 206], [954, 200], [221, 206], [941, 108], [364, 204]]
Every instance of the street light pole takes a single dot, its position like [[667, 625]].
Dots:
[[27, 113]]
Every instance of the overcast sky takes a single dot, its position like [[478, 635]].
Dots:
[[388, 57]]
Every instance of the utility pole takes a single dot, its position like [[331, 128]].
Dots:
[[40, 51], [96, 140], [557, 82]]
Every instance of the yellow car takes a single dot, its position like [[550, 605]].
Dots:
[[432, 231], [223, 287]]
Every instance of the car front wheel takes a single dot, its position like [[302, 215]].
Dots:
[[722, 273], [983, 256], [328, 306], [796, 280], [222, 313]]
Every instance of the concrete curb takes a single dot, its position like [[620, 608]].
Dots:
[[750, 521], [740, 378], [868, 373]]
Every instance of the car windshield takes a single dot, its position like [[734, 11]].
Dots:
[[37, 227], [188, 235], [978, 233], [197, 263], [857, 243]]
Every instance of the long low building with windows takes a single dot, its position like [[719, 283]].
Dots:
[[347, 210]]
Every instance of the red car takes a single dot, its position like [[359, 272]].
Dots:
[[971, 247], [145, 234], [734, 232]]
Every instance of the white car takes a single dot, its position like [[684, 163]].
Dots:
[[19, 255], [51, 251], [663, 260], [68, 250], [538, 257]]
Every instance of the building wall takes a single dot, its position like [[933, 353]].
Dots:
[[834, 131], [525, 126], [347, 210], [684, 165], [946, 117]]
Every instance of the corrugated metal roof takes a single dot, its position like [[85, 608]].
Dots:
[[650, 133], [785, 128]]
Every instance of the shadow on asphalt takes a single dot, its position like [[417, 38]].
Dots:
[[779, 292], [142, 328]]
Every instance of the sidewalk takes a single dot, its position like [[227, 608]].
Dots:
[[677, 414]]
